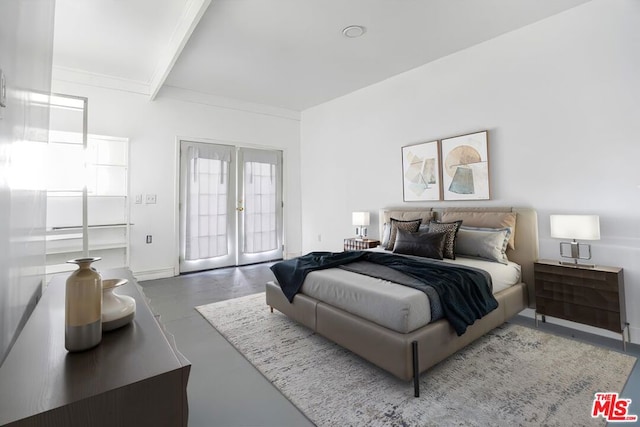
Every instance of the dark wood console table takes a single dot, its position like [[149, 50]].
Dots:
[[135, 377]]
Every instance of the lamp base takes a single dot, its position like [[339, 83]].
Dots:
[[361, 232], [575, 251]]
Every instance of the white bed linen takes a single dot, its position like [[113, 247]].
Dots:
[[397, 307], [388, 304], [502, 275]]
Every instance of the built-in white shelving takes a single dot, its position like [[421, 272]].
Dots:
[[87, 196]]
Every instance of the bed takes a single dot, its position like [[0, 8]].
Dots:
[[406, 345]]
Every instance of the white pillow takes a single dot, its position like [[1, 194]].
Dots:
[[386, 234], [486, 243]]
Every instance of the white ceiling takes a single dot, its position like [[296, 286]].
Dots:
[[284, 53], [117, 38]]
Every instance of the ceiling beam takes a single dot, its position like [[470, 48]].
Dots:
[[193, 11]]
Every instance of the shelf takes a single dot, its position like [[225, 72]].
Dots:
[[80, 143], [59, 268], [111, 165], [57, 193], [64, 193], [56, 237], [79, 227], [93, 248], [98, 206]]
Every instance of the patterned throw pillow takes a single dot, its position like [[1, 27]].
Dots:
[[451, 229], [410, 226]]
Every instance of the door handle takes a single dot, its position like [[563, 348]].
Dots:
[[239, 209]]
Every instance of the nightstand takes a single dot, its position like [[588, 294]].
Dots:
[[589, 295], [356, 244]]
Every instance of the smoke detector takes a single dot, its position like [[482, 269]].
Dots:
[[354, 31]]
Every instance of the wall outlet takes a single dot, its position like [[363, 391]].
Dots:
[[138, 199], [149, 238], [150, 199]]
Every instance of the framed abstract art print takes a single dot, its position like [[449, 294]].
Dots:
[[421, 172], [465, 167]]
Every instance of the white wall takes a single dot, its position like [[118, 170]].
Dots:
[[152, 128], [26, 45], [561, 101]]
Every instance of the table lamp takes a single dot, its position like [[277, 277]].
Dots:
[[575, 227], [360, 220]]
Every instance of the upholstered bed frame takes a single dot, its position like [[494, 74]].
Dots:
[[407, 355]]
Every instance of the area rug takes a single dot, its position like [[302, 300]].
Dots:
[[513, 376]]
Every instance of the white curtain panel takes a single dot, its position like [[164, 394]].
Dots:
[[208, 195], [260, 198]]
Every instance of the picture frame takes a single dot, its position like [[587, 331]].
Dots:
[[465, 167], [421, 175]]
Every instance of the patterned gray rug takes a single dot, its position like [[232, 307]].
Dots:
[[513, 376]]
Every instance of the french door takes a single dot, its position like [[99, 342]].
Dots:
[[230, 205]]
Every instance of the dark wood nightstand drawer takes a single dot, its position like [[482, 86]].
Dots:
[[605, 280], [599, 318], [576, 294]]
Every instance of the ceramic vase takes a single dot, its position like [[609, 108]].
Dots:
[[83, 307], [117, 310]]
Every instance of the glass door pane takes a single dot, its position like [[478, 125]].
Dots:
[[207, 225], [259, 205]]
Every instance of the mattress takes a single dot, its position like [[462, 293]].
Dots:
[[397, 307]]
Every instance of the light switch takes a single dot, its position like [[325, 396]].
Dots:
[[138, 199]]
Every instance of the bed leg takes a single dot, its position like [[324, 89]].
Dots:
[[416, 369], [271, 308]]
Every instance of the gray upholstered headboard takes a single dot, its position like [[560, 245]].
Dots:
[[526, 233]]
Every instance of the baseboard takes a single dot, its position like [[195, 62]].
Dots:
[[635, 334], [635, 337], [141, 276]]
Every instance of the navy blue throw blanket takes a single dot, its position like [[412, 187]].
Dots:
[[465, 292]]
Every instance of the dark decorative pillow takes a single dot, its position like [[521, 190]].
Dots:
[[424, 244], [451, 229], [410, 226]]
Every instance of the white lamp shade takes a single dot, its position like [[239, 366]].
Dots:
[[360, 218], [578, 227]]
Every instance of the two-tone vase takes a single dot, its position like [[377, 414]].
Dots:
[[83, 307]]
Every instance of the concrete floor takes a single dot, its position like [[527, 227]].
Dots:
[[224, 388]]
